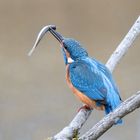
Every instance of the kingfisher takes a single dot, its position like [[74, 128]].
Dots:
[[90, 80]]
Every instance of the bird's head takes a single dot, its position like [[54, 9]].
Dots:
[[72, 49]]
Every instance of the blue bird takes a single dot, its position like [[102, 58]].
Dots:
[[89, 79]]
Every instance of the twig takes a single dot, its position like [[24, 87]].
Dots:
[[124, 45], [107, 122], [68, 132]]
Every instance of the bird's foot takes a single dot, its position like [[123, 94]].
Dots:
[[85, 107]]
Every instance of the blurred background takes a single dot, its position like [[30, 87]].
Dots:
[[35, 101]]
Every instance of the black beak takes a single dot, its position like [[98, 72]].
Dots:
[[58, 36], [44, 30]]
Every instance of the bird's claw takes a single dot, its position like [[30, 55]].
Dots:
[[85, 107]]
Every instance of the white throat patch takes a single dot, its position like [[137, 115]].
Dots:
[[70, 60]]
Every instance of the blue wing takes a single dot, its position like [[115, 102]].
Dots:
[[106, 72], [88, 80]]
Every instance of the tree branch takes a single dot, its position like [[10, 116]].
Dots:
[[69, 131], [124, 45], [107, 122]]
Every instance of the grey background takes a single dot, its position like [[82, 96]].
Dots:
[[35, 101]]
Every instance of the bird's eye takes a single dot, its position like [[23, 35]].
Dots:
[[65, 47]]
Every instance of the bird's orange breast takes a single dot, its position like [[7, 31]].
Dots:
[[86, 100]]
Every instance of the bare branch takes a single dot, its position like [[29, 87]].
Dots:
[[124, 45], [68, 132], [107, 122]]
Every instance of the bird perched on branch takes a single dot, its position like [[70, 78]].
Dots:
[[89, 80]]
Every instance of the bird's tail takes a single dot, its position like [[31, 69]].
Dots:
[[113, 101]]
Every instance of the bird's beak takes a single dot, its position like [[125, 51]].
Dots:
[[44, 30], [58, 36]]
